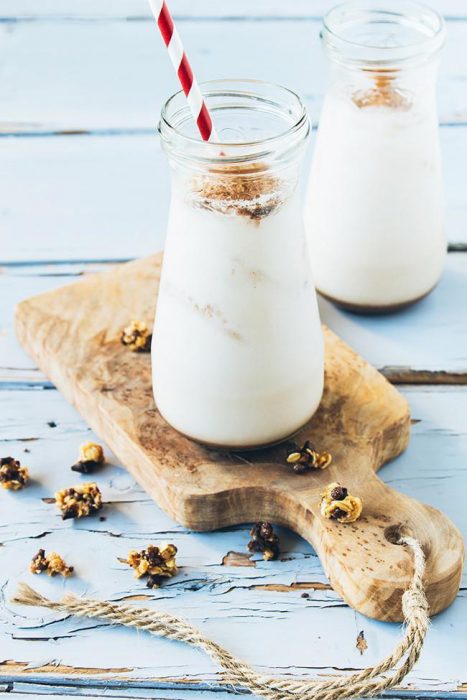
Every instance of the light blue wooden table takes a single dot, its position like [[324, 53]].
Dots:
[[83, 184]]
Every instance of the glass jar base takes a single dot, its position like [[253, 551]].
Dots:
[[374, 309], [241, 448]]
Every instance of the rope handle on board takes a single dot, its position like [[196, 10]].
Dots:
[[365, 683]]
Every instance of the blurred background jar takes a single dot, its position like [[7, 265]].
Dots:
[[374, 206]]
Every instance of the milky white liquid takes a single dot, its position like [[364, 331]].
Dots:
[[374, 208], [237, 350]]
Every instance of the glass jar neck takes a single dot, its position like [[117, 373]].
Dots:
[[260, 125], [386, 36]]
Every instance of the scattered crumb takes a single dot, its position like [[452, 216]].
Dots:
[[338, 504], [156, 563], [137, 337], [361, 642], [12, 475], [91, 457], [52, 564], [264, 540], [79, 501], [306, 457], [51, 424]]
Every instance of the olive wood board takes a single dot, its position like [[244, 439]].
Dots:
[[73, 334]]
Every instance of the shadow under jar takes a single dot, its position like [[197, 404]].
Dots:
[[237, 348], [374, 208]]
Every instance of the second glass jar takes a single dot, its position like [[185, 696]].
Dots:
[[374, 208]]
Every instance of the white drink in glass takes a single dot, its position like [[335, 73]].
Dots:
[[237, 349]]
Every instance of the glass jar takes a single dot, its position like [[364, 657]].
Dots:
[[374, 206], [237, 351]]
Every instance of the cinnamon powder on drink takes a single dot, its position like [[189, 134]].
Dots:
[[246, 190], [383, 94]]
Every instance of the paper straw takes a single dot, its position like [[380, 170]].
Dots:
[[185, 75]]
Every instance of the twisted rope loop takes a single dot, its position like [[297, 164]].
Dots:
[[366, 683]]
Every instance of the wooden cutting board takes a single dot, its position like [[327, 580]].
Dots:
[[73, 335]]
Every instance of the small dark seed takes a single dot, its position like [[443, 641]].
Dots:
[[305, 595], [338, 513], [51, 424], [338, 493]]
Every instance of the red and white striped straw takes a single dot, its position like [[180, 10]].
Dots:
[[185, 74]]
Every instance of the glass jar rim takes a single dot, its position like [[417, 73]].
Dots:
[[271, 96], [431, 26]]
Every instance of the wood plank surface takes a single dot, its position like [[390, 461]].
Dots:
[[94, 691], [240, 9], [88, 198], [426, 343], [127, 75], [418, 338], [104, 198], [240, 606]]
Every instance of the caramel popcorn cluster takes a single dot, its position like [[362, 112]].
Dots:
[[137, 337], [79, 501], [263, 539], [12, 475], [307, 457], [91, 457], [337, 503], [52, 564], [154, 562]]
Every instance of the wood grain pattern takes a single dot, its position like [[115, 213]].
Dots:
[[73, 337]]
